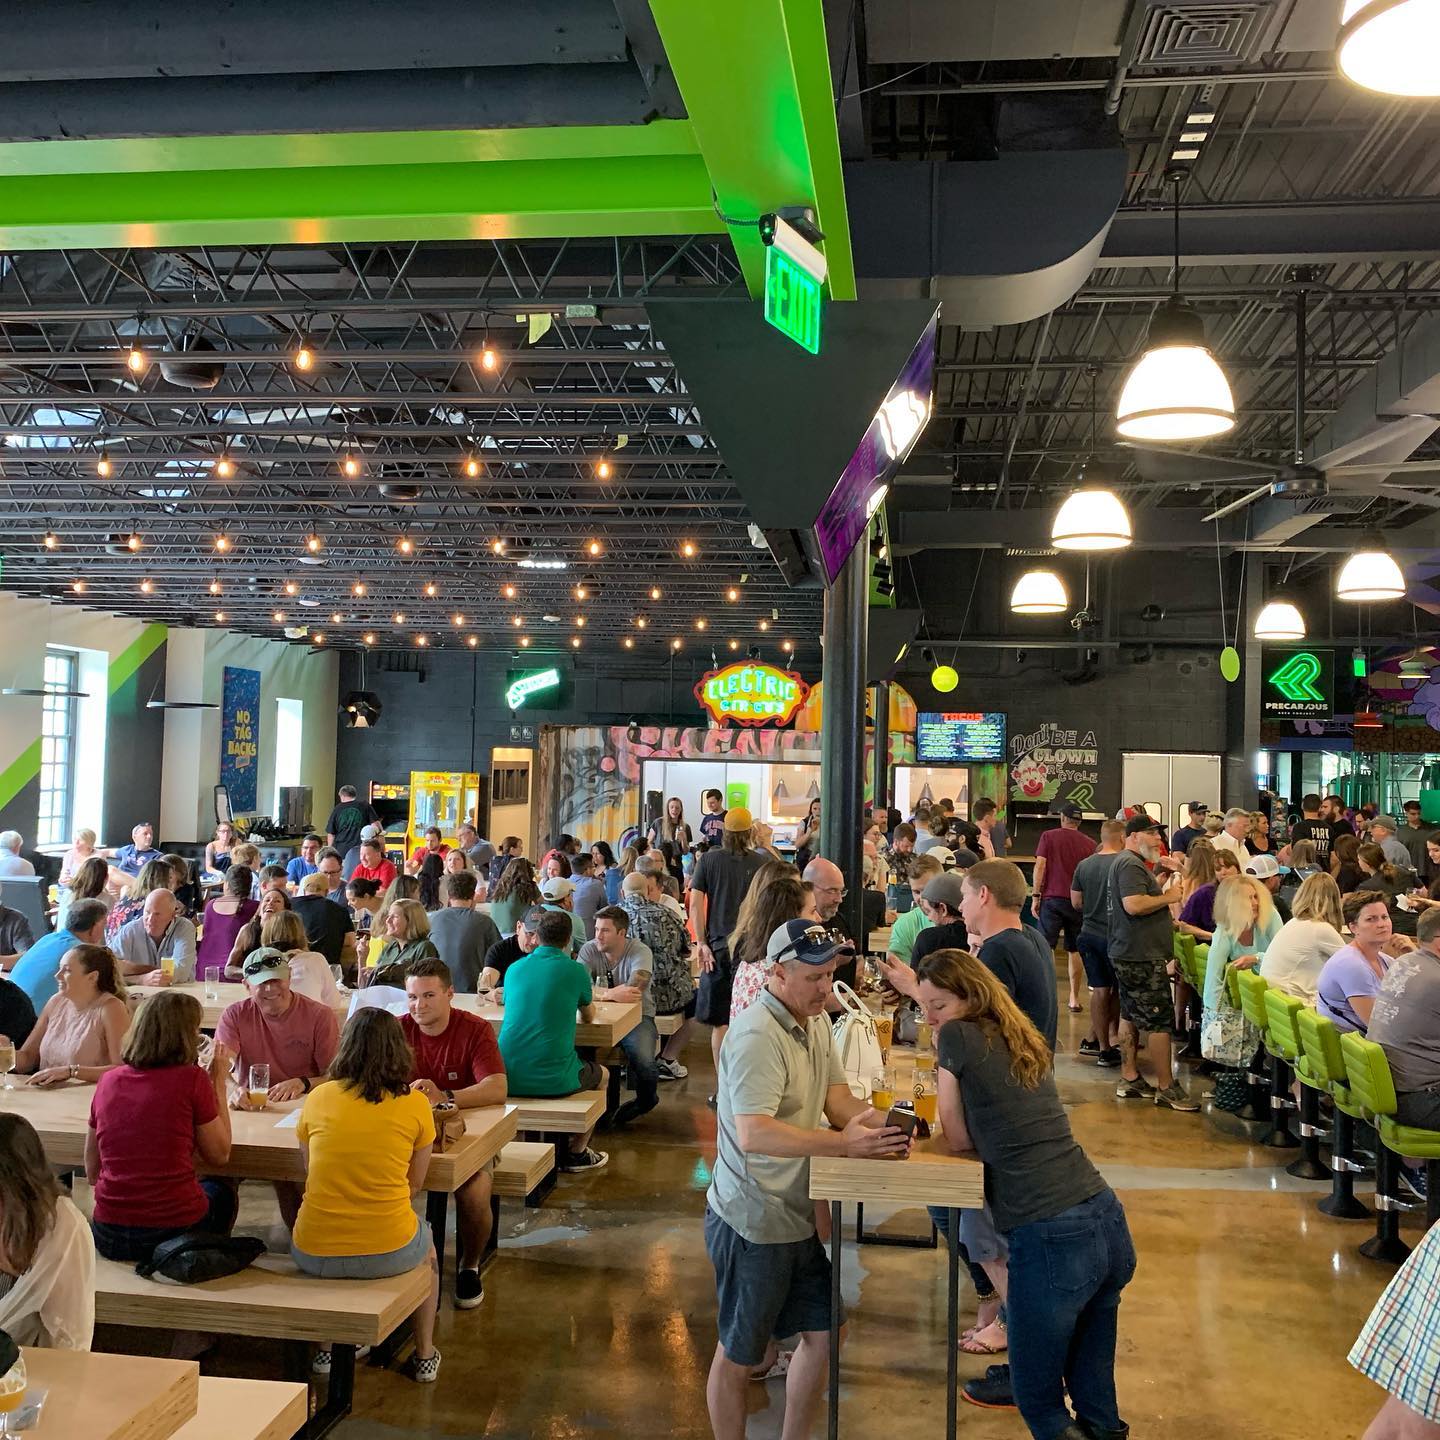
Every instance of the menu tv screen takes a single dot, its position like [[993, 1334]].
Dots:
[[959, 737]]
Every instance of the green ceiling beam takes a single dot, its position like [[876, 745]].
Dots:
[[755, 77], [304, 189]]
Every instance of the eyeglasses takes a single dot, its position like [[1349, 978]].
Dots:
[[839, 890]]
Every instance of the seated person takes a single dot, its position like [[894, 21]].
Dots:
[[47, 1275], [133, 858], [16, 936], [365, 1142], [309, 974], [501, 956], [270, 877], [625, 967], [460, 933], [1197, 915], [457, 1062], [225, 917], [217, 851], [434, 844], [150, 1117], [558, 893], [272, 902], [374, 865], [185, 890], [543, 990], [36, 973], [407, 938], [363, 898], [159, 934], [81, 1030], [909, 922], [1350, 978], [1379, 875], [329, 926], [1405, 1023], [1295, 957], [330, 863], [303, 864], [276, 1026], [157, 875]]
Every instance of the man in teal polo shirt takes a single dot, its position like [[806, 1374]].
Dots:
[[36, 970], [542, 992]]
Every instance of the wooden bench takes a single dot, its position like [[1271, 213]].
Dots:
[[522, 1167], [271, 1298], [247, 1410], [668, 1024], [572, 1115]]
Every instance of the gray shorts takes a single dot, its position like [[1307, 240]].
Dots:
[[766, 1291], [366, 1267]]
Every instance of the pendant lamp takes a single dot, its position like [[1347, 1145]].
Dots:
[[1279, 620], [1370, 574], [1091, 520], [1176, 390], [1391, 46], [1039, 592]]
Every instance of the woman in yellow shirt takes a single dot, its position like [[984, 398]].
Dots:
[[365, 1142]]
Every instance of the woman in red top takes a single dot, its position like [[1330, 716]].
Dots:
[[150, 1116]]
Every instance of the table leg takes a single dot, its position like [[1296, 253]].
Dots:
[[494, 1242], [952, 1327], [437, 1211], [836, 1238]]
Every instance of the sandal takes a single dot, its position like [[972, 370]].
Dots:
[[972, 1344], [779, 1368]]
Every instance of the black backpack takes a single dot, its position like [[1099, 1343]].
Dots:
[[196, 1256]]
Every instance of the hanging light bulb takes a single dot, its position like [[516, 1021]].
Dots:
[[278, 616], [471, 467], [336, 618], [1279, 620], [1176, 390], [603, 470], [701, 623], [405, 545], [594, 548], [219, 617], [398, 617], [214, 587], [641, 622], [302, 357], [350, 466], [313, 543], [574, 642], [675, 643], [50, 540], [422, 640], [103, 466], [133, 542], [1390, 47], [1091, 520], [147, 587], [688, 549], [508, 591], [732, 594], [135, 360], [473, 641], [224, 467], [655, 592], [1370, 574], [368, 637], [1039, 592], [489, 356], [431, 590], [78, 586], [524, 642], [222, 543], [497, 547], [358, 588], [291, 588], [457, 619]]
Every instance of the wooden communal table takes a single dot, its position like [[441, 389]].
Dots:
[[929, 1176], [111, 1397], [247, 1410], [263, 1150]]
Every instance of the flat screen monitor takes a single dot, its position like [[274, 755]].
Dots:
[[960, 737]]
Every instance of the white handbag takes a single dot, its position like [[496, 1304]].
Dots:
[[857, 1042]]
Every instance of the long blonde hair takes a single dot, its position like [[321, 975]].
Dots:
[[1199, 866], [988, 1004], [1232, 905], [1318, 898]]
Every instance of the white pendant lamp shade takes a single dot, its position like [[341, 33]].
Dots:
[[1391, 47], [1279, 620], [1039, 592], [1091, 520], [1176, 390], [1370, 575]]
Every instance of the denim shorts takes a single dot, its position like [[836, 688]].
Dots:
[[766, 1291], [1095, 956], [365, 1267]]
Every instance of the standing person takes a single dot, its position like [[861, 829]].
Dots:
[[1334, 812], [1384, 832], [457, 1063], [626, 968], [1070, 1251], [900, 858], [779, 1076], [672, 987], [1413, 836], [135, 856], [349, 817], [827, 890], [1235, 833], [671, 826], [1141, 951], [1312, 827], [717, 886], [1090, 894], [150, 1119], [991, 829], [712, 822], [1258, 841], [462, 934], [776, 895], [1056, 856], [365, 1143], [807, 835], [1192, 829], [80, 1034], [303, 864]]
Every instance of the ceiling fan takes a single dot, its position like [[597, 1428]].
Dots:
[[1358, 468]]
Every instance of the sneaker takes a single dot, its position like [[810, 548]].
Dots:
[[670, 1069], [469, 1292], [320, 1365], [1109, 1058], [1414, 1181], [632, 1110], [1175, 1097], [1137, 1089], [424, 1372], [992, 1392], [1090, 1047], [586, 1159]]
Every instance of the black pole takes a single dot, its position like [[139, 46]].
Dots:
[[842, 729], [880, 785]]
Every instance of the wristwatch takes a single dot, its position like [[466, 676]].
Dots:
[[74, 1072], [305, 1084]]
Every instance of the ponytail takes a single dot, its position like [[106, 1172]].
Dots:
[[100, 961]]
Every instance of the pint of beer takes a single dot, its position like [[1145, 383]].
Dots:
[[923, 1092], [882, 1089], [884, 1033]]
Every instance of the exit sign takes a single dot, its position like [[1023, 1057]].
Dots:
[[792, 299]]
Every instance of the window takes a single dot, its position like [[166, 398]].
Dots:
[[510, 785], [289, 730], [57, 747]]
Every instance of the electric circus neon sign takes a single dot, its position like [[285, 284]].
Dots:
[[751, 694]]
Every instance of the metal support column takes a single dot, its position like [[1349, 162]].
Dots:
[[842, 730], [880, 786]]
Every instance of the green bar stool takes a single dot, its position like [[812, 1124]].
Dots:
[[1257, 1107], [1369, 1075], [1252, 1003], [1322, 1064], [1283, 1012]]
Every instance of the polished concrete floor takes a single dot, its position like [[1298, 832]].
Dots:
[[599, 1312]]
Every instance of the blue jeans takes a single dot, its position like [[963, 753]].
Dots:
[[367, 1267], [642, 1048], [1066, 1275], [137, 1242]]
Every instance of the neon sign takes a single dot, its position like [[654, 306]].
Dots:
[[527, 685], [1298, 685], [751, 693]]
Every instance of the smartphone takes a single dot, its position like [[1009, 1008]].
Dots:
[[901, 1119]]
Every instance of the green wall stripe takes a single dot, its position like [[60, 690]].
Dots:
[[20, 772], [124, 665]]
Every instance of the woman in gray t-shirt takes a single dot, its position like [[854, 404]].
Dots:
[[1070, 1248]]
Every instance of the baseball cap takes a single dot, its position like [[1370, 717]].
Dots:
[[946, 889], [805, 941], [1071, 811], [557, 887], [266, 963], [1140, 824], [1388, 821], [1198, 807], [370, 832], [943, 854], [738, 818], [1262, 867], [533, 916]]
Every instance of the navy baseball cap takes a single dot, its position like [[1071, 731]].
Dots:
[[805, 941], [1071, 811]]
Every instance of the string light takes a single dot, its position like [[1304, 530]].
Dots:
[[594, 548], [603, 470], [50, 540], [135, 360], [103, 467], [654, 592], [734, 644], [574, 642], [222, 543], [224, 467], [303, 357], [787, 647], [472, 467], [688, 549], [318, 638], [313, 543], [581, 593], [405, 545], [133, 543]]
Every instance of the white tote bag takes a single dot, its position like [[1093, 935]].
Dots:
[[856, 1042]]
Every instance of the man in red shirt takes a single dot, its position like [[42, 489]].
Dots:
[[434, 845], [295, 1036], [374, 865], [457, 1062], [1056, 856]]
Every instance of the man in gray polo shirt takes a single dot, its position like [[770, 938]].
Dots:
[[779, 1077]]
